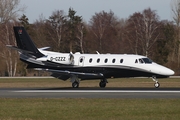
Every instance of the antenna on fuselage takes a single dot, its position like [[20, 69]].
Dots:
[[97, 52]]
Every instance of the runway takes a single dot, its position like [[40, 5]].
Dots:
[[90, 93]]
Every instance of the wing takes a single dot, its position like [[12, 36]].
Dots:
[[65, 74]]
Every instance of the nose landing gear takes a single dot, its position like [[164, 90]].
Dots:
[[156, 84]]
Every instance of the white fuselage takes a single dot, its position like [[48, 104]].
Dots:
[[123, 61]]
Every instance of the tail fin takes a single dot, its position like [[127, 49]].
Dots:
[[25, 43]]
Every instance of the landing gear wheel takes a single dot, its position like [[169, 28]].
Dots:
[[75, 84], [102, 84], [156, 85], [75, 81]]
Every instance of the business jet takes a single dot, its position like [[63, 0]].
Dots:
[[79, 66]]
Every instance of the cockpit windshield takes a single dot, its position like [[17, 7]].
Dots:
[[147, 60]]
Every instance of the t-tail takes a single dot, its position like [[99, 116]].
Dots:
[[24, 43]]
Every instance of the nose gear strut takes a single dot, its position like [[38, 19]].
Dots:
[[156, 84]]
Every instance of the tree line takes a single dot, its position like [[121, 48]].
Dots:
[[141, 33]]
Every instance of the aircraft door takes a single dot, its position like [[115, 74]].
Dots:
[[81, 61]]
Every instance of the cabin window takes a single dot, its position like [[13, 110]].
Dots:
[[81, 60], [121, 61], [98, 60], [141, 61], [136, 61], [106, 60], [114, 60], [90, 60]]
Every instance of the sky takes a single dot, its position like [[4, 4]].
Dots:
[[88, 8]]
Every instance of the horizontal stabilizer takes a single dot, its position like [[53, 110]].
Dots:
[[19, 50], [44, 48]]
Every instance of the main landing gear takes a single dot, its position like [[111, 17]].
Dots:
[[156, 84], [103, 82], [75, 81]]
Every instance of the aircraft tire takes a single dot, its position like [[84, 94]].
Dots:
[[102, 84], [156, 85], [75, 84]]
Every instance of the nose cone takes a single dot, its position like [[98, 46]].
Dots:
[[170, 72], [162, 70], [167, 71]]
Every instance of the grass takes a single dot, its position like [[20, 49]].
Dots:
[[89, 109], [52, 82]]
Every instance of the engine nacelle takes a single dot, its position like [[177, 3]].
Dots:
[[67, 59]]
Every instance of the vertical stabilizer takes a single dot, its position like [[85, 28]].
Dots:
[[25, 43]]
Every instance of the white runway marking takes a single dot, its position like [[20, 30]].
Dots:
[[96, 91]]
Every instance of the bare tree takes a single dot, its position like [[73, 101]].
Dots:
[[74, 24], [175, 7], [8, 14], [150, 28], [144, 29], [57, 22], [80, 36], [9, 10], [40, 28], [102, 24], [133, 31], [10, 56], [98, 26]]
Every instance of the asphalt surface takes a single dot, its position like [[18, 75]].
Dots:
[[89, 93]]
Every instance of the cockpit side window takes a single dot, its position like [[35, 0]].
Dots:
[[136, 61], [147, 60], [141, 61]]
